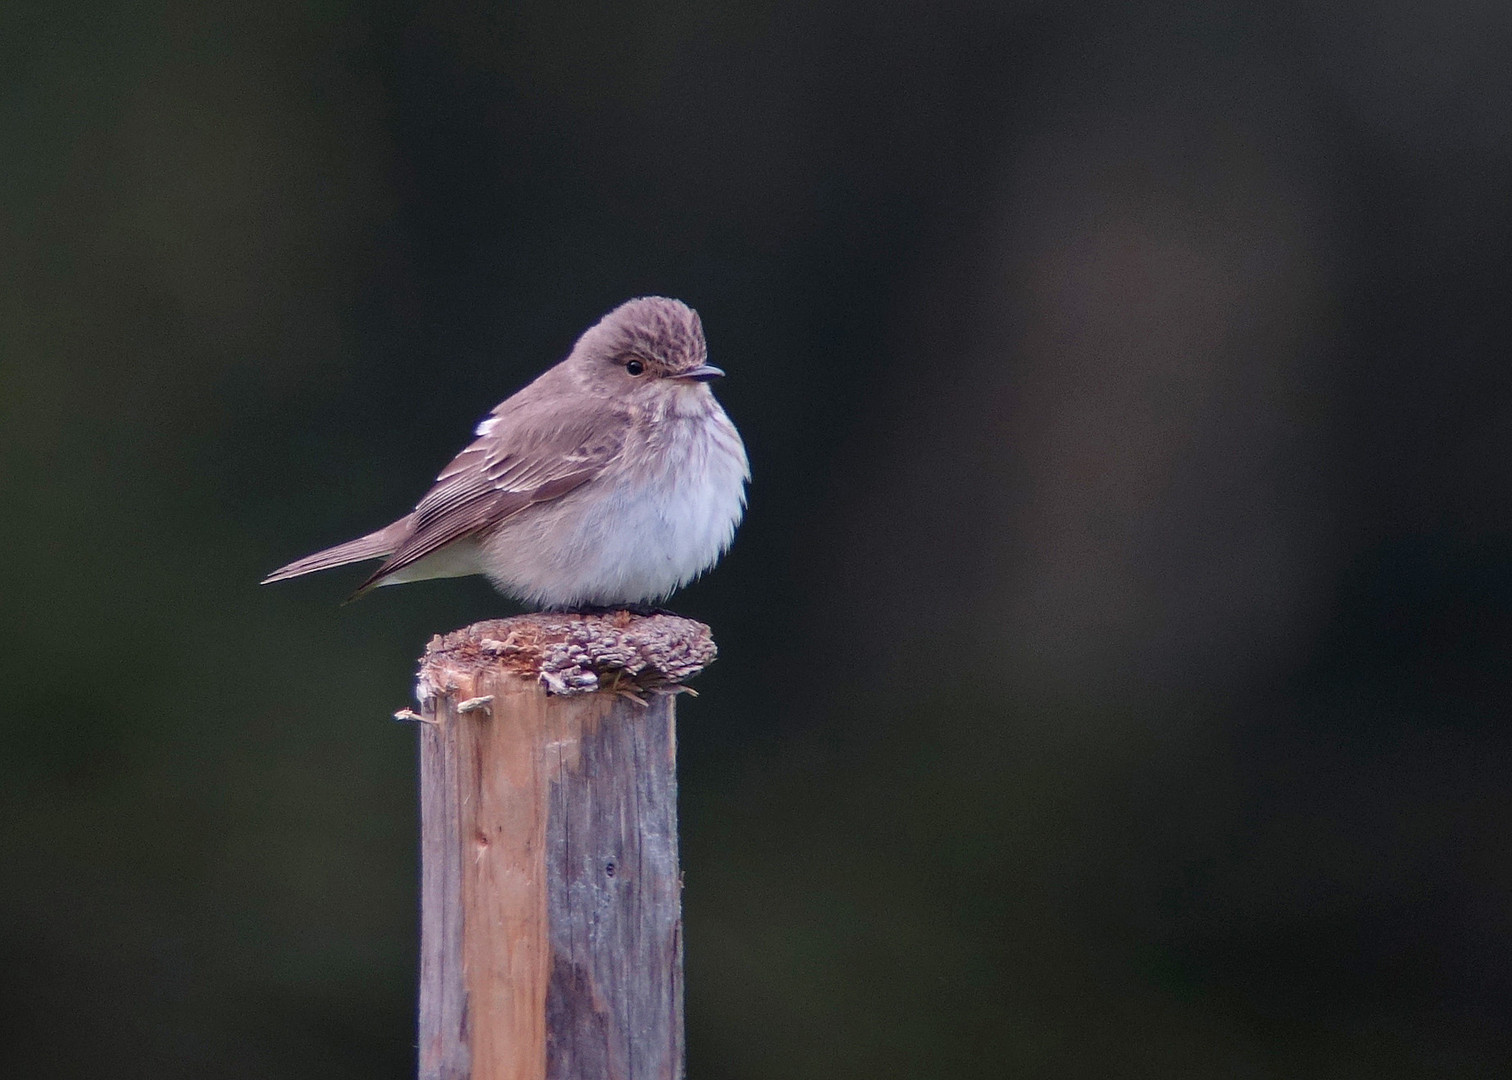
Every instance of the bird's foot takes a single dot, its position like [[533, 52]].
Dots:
[[643, 611]]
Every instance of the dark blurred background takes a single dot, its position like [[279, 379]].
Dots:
[[1113, 678]]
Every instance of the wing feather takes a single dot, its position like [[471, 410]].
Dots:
[[525, 458]]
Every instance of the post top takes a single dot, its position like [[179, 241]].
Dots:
[[572, 654]]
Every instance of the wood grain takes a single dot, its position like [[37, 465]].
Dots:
[[551, 922]]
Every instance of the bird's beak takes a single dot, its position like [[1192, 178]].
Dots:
[[706, 373]]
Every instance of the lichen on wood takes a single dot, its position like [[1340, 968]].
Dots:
[[571, 654]]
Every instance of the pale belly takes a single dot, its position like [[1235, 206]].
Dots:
[[633, 536]]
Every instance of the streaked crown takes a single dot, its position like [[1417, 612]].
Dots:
[[664, 332]]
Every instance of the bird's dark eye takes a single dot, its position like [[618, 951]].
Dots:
[[634, 367]]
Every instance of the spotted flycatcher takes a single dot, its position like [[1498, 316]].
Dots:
[[613, 479]]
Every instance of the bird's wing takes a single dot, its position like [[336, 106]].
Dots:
[[520, 460]]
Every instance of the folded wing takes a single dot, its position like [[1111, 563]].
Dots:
[[522, 460]]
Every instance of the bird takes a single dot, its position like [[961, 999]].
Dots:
[[611, 481]]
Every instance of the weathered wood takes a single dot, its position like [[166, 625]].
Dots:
[[551, 919]]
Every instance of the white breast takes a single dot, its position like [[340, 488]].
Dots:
[[663, 515]]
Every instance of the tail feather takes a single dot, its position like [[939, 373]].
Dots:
[[375, 545]]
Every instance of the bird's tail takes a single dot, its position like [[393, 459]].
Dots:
[[375, 545]]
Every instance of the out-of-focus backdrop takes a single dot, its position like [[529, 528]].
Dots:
[[1115, 664]]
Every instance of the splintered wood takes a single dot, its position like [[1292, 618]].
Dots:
[[574, 654], [551, 918]]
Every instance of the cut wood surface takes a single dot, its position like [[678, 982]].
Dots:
[[551, 917]]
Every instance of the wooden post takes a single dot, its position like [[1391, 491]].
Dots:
[[551, 913]]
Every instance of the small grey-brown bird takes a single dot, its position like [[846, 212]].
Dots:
[[613, 479]]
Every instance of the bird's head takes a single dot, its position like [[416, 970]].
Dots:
[[648, 351]]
